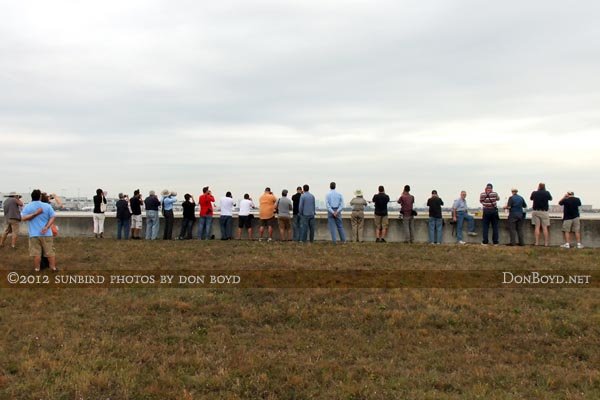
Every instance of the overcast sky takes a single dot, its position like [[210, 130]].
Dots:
[[240, 95]]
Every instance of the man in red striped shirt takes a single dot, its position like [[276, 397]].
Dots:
[[489, 201]]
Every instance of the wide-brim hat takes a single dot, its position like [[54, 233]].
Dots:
[[173, 193], [358, 192], [12, 194], [165, 192]]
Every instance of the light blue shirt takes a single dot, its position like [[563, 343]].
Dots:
[[460, 204], [307, 205], [40, 221], [168, 203], [334, 201]]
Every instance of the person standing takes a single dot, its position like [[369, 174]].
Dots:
[[284, 206], [296, 216], [205, 201], [460, 213], [516, 216], [571, 221], [407, 203], [152, 220], [381, 200], [226, 218], [540, 216], [169, 198], [12, 214], [307, 211], [358, 204], [99, 210], [435, 204], [189, 217], [489, 201], [335, 203], [266, 204], [123, 216], [136, 214], [245, 217], [41, 217]]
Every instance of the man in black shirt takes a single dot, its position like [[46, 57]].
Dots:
[[381, 201], [540, 216], [136, 214], [571, 223], [435, 217], [296, 215]]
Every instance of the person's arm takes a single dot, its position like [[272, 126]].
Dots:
[[48, 225], [301, 205], [32, 216], [57, 199]]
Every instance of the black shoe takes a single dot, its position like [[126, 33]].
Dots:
[[382, 240]]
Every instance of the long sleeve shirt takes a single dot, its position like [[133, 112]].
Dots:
[[307, 205], [334, 201]]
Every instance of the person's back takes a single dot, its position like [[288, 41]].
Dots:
[[246, 206], [381, 200], [284, 206], [267, 205], [151, 203], [123, 209], [541, 199], [227, 205], [307, 204], [11, 209], [570, 207]]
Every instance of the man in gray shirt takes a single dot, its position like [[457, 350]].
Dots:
[[12, 213], [284, 219]]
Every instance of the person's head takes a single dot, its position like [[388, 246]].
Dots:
[[541, 186], [463, 194], [306, 188], [99, 192], [332, 185], [136, 192], [121, 196], [246, 196], [299, 189], [381, 189], [358, 193], [36, 195], [434, 193], [284, 192], [489, 187], [228, 194], [514, 191], [187, 196], [205, 189], [45, 198], [152, 193], [406, 188], [267, 190], [570, 194]]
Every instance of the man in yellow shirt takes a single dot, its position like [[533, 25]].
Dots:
[[267, 213]]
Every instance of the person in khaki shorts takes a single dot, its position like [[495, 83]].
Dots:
[[41, 216], [284, 219], [540, 216], [381, 200], [12, 214], [571, 222]]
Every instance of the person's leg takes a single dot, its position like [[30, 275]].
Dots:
[[303, 228], [101, 218], [439, 223], [156, 226], [270, 229], [311, 228], [229, 227], [460, 218], [361, 226], [431, 230], [545, 231], [119, 228], [411, 226], [470, 223], [406, 228], [148, 226], [331, 223], [223, 227], [340, 227], [485, 222], [520, 223], [495, 220], [354, 225]]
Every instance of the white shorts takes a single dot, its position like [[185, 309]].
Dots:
[[136, 221]]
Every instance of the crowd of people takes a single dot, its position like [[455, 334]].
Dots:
[[294, 217]]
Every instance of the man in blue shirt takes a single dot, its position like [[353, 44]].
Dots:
[[41, 216], [169, 198], [334, 203], [306, 210], [516, 214], [460, 212]]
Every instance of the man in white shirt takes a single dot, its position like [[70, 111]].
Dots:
[[244, 216], [226, 219]]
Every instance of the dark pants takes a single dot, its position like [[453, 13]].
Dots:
[[226, 222], [296, 223], [515, 226], [123, 224], [169, 221], [490, 216], [187, 226], [307, 227]]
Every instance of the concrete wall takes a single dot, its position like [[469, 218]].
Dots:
[[81, 226]]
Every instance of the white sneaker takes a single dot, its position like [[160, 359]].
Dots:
[[461, 242], [566, 246], [579, 246], [472, 233]]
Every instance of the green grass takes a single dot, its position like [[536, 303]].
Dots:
[[299, 343]]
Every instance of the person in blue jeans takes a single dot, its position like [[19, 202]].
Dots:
[[152, 203], [460, 213], [334, 203], [435, 204], [307, 211]]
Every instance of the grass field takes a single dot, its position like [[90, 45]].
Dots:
[[408, 343]]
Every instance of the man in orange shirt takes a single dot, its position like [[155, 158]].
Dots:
[[267, 213]]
